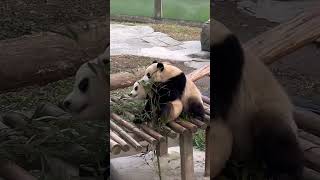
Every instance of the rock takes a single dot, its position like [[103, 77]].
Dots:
[[205, 36]]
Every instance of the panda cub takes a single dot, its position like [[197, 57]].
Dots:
[[138, 92], [253, 116], [173, 92]]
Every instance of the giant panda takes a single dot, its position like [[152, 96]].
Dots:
[[174, 91], [253, 117]]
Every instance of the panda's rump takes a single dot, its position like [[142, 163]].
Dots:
[[191, 99]]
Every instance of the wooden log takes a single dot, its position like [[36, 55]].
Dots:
[[153, 133], [191, 127], [307, 121], [134, 129], [199, 123], [186, 155], [286, 37], [125, 136], [166, 131], [125, 79], [205, 99], [177, 128], [11, 171], [124, 146], [199, 73], [162, 147], [311, 154], [115, 148], [45, 57], [207, 118]]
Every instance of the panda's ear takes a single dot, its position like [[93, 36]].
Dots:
[[155, 61], [160, 66]]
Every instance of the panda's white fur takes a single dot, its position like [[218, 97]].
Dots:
[[138, 91], [253, 112], [88, 98], [179, 92]]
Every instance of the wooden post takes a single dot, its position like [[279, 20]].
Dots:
[[157, 9], [207, 155], [186, 153], [162, 147]]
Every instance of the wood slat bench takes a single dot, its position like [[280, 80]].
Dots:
[[125, 135]]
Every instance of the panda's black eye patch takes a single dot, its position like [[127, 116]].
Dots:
[[136, 88], [148, 75], [83, 85]]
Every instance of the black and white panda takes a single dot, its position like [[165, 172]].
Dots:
[[138, 91], [88, 99], [253, 115], [174, 91]]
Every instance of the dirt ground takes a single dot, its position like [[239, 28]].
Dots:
[[297, 72], [21, 17]]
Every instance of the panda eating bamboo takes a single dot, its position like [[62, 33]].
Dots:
[[173, 92]]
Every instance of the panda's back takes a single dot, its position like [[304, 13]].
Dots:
[[259, 92]]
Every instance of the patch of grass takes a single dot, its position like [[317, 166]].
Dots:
[[194, 10], [26, 99], [199, 140], [178, 32]]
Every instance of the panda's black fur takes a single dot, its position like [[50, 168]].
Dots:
[[175, 94], [244, 121]]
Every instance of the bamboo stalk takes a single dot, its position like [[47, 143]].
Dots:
[[153, 133], [134, 129], [124, 146], [114, 147], [126, 136], [199, 123], [193, 128], [177, 128]]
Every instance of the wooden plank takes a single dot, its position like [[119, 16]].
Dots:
[[45, 57], [191, 127], [124, 145], [114, 147], [125, 136], [134, 129], [207, 154], [286, 37], [153, 133], [157, 9], [199, 123], [177, 128], [186, 155], [162, 147], [199, 73]]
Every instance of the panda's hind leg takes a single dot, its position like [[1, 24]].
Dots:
[[171, 110], [277, 146], [195, 108]]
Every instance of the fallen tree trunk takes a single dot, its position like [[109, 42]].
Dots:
[[44, 57], [287, 37], [125, 79]]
